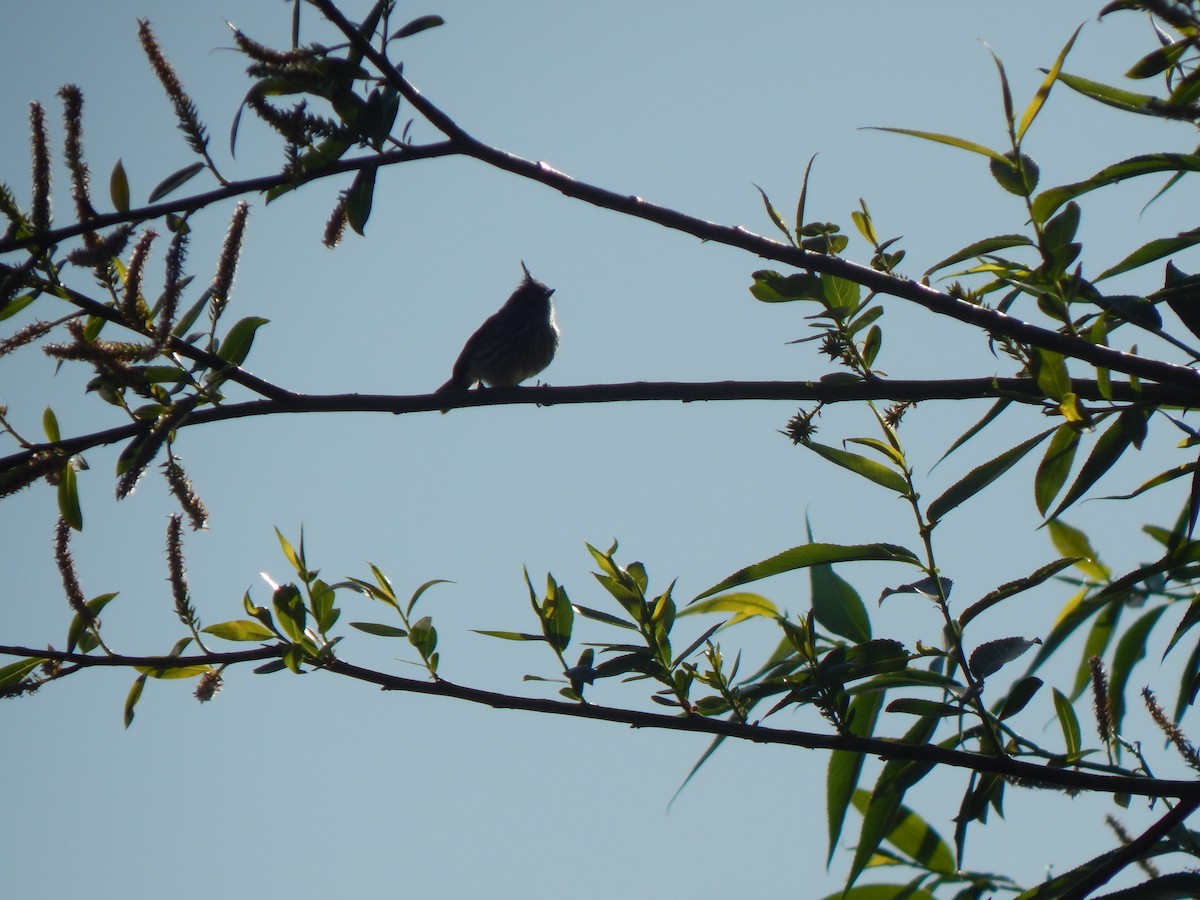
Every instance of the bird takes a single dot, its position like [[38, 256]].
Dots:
[[515, 343]]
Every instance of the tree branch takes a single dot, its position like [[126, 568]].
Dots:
[[226, 192], [1112, 863], [1071, 779], [990, 320], [1019, 389]]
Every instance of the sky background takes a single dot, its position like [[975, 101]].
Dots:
[[318, 786]]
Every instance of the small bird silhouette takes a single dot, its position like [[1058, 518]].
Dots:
[[515, 343]]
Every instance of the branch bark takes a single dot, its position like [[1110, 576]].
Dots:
[[990, 320], [1022, 390], [1039, 775]]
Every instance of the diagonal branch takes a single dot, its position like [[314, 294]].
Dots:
[[176, 345], [1107, 866], [226, 192], [1187, 791], [992, 321], [882, 747]]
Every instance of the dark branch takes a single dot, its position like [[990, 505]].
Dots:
[[990, 320], [233, 189], [1020, 389], [1073, 779], [1107, 866]]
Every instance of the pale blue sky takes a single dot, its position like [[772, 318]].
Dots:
[[316, 787]]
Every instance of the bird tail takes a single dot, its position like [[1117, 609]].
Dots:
[[451, 385]]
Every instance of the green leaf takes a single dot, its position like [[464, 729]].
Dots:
[[1015, 587], [132, 698], [238, 340], [417, 25], [950, 141], [916, 838], [883, 811], [1074, 613], [812, 555], [1159, 60], [840, 293], [588, 613], [870, 469], [15, 672], [742, 604], [1043, 91], [774, 215], [836, 605], [359, 198], [1151, 251], [1052, 377], [981, 248], [882, 891], [68, 498], [998, 407], [1190, 617], [1055, 467], [423, 636], [918, 707], [503, 635], [240, 630], [1131, 649], [990, 657], [118, 188], [1068, 721], [50, 426], [845, 767], [1130, 424], [419, 592], [292, 614], [168, 672], [1019, 696], [771, 287], [981, 476], [175, 181], [1045, 204], [1129, 101], [1072, 542], [76, 631], [1017, 174]]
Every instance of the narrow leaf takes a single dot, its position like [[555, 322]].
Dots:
[[1108, 449], [950, 141], [992, 656], [774, 215], [1055, 467], [1020, 695], [175, 180], [422, 23], [742, 604], [240, 630], [118, 188], [1015, 587], [998, 407], [132, 698], [811, 555], [980, 248], [868, 468], [1131, 649], [1043, 91], [1045, 204], [845, 767], [981, 476], [1068, 721], [236, 345]]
